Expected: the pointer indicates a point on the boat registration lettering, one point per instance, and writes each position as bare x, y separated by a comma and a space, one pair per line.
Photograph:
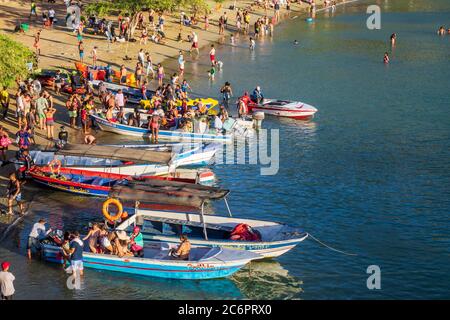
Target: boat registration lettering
200, 266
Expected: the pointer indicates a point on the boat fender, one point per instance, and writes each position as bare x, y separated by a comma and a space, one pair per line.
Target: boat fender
105, 209
55, 166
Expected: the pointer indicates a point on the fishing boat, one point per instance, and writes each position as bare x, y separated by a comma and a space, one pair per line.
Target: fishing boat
116, 160
284, 108
173, 135
203, 263
266, 238
156, 189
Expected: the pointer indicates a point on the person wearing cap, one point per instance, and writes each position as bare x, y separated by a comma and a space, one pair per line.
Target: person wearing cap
182, 252
6, 282
136, 241
37, 233
76, 254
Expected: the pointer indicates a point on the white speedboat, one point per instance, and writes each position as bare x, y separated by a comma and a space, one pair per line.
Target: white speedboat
284, 108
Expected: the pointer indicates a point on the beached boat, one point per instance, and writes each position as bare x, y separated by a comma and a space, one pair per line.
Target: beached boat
134, 95
115, 160
271, 239
172, 135
203, 263
154, 189
284, 108
183, 154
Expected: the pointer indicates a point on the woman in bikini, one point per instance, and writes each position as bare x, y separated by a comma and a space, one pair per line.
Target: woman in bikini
50, 122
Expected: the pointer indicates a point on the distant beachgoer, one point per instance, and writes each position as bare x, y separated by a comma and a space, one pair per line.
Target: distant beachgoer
295, 42
227, 93
386, 58
37, 40
50, 121
181, 63
212, 73
160, 73
94, 56
93, 236
4, 102
123, 75
441, 31
252, 44
33, 9
81, 51
6, 282
393, 39
212, 55
154, 127
194, 43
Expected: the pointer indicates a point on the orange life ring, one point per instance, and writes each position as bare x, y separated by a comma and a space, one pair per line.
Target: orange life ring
52, 164
105, 209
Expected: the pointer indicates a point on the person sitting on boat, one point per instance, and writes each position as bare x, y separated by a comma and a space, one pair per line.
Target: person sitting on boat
105, 243
257, 95
121, 242
137, 242
182, 252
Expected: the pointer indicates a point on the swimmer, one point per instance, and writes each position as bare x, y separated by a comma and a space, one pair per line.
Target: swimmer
295, 42
89, 139
441, 31
386, 58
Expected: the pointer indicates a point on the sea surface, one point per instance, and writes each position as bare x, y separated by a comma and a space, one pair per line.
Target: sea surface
370, 175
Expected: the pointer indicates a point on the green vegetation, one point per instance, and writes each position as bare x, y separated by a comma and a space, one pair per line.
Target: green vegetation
13, 60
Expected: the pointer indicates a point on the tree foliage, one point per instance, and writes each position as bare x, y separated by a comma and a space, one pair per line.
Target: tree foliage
13, 60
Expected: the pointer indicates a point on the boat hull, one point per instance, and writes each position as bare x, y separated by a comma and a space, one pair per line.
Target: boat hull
189, 270
286, 109
122, 129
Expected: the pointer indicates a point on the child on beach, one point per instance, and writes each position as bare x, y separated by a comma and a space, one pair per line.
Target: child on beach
252, 44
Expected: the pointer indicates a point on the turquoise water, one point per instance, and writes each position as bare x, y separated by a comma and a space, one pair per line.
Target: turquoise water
369, 175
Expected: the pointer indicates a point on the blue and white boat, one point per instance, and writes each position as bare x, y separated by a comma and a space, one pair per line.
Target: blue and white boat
183, 154
171, 135
203, 263
274, 239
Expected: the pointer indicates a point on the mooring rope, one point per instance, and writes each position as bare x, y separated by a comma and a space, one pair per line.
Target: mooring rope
329, 247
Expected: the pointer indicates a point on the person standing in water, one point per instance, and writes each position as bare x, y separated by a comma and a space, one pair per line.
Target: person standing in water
393, 39
154, 127
14, 192
386, 58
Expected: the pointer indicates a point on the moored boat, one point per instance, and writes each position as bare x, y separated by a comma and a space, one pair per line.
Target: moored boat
149, 188
271, 239
203, 263
172, 135
284, 108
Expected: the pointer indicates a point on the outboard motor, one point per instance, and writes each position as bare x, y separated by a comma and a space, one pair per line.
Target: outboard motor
257, 117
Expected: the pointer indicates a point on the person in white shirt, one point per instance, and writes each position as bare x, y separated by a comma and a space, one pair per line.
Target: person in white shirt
51, 16
120, 99
6, 282
218, 124
37, 233
141, 56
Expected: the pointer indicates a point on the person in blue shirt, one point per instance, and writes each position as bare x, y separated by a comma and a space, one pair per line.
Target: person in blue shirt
76, 252
257, 95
